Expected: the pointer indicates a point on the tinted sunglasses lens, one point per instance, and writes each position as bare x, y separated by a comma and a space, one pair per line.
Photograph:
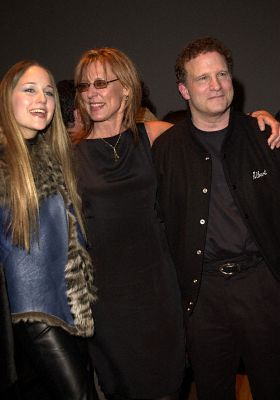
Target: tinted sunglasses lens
100, 84
83, 87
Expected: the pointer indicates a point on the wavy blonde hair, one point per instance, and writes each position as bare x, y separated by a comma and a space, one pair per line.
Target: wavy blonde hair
21, 193
125, 71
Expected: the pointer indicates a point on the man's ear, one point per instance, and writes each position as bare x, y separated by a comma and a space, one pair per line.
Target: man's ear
184, 91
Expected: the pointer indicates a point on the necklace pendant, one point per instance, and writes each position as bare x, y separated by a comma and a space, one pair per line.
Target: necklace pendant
116, 156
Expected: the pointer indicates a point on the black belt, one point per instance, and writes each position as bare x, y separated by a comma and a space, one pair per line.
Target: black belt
231, 267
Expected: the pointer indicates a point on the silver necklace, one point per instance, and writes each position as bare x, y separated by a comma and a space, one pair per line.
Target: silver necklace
116, 157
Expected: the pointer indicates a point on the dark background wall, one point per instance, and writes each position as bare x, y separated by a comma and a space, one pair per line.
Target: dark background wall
57, 32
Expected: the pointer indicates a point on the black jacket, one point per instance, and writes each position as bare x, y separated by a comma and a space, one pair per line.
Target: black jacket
252, 171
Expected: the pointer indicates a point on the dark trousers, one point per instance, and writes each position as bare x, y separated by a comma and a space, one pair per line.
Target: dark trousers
237, 317
7, 366
52, 364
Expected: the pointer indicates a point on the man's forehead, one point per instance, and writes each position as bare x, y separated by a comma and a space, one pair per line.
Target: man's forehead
206, 60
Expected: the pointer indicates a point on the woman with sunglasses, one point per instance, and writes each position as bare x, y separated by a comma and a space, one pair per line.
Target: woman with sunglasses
49, 274
138, 347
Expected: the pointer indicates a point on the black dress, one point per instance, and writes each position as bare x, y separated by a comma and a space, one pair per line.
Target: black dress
138, 347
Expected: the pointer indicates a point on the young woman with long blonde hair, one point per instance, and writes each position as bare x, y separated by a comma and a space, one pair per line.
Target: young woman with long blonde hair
49, 274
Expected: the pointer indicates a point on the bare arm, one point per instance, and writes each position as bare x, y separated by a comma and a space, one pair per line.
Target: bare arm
156, 128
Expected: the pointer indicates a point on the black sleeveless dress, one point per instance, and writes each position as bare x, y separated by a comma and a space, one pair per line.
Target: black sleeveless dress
138, 346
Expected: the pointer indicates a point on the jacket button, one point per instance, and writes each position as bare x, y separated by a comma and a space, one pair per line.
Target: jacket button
204, 190
195, 281
202, 221
198, 252
207, 158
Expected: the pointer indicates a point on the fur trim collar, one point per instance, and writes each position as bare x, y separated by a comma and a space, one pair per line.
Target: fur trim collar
81, 292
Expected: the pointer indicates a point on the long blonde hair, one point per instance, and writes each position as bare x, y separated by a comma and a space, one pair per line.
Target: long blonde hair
21, 192
125, 71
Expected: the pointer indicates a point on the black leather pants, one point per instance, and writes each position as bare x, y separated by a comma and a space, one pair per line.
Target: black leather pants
52, 364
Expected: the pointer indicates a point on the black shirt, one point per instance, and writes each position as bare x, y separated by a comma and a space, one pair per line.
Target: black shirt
227, 235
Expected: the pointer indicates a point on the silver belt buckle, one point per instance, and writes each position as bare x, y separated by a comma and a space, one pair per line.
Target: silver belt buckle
227, 265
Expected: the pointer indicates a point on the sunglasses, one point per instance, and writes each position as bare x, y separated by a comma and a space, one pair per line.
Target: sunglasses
98, 84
